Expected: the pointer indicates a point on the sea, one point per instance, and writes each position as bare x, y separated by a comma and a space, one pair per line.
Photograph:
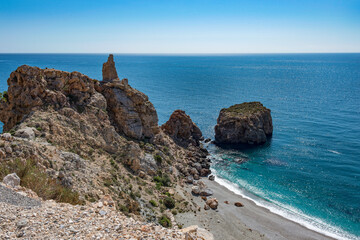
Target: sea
309, 172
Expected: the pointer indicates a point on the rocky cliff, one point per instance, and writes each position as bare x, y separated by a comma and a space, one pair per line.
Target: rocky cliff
246, 123
100, 138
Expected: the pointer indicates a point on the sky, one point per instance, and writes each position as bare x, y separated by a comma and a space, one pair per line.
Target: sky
179, 26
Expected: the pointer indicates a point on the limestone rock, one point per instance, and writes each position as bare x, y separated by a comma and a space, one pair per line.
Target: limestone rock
25, 133
182, 130
130, 110
109, 71
12, 180
246, 123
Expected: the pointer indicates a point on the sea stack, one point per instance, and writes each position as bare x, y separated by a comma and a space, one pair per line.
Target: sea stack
109, 71
249, 123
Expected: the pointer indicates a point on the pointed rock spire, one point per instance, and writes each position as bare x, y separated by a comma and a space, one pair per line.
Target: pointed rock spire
109, 71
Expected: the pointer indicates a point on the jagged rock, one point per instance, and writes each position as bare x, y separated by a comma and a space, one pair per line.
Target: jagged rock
211, 177
12, 180
182, 130
109, 70
25, 133
130, 110
202, 191
213, 203
246, 123
30, 88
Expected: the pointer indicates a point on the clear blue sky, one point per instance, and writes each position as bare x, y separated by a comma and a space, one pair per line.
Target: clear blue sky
183, 26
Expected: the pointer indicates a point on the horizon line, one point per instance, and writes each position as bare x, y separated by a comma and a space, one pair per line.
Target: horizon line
252, 53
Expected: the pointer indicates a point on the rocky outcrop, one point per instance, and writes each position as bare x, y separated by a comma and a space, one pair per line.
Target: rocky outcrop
130, 110
31, 88
182, 130
109, 70
246, 123
92, 136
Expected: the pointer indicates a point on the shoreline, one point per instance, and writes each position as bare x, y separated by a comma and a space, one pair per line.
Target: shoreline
249, 222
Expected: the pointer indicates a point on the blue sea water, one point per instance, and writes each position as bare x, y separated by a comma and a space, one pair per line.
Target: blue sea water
309, 171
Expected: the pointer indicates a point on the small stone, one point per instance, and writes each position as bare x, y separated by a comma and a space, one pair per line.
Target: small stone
100, 205
226, 202
22, 223
102, 212
238, 204
211, 177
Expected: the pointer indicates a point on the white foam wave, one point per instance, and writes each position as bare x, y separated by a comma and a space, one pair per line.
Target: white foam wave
288, 212
333, 151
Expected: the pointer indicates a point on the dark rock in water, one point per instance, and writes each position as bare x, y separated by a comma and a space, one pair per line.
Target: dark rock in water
207, 140
248, 123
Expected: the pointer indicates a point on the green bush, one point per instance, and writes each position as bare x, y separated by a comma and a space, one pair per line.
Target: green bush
158, 159
163, 181
169, 202
165, 221
153, 203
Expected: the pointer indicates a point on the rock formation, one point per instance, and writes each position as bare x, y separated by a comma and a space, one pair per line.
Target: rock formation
130, 110
182, 130
109, 71
92, 136
246, 123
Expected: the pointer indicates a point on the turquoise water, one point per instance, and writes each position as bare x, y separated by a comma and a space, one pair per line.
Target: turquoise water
309, 172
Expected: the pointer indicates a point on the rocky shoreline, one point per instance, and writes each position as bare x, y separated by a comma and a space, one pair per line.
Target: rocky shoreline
90, 151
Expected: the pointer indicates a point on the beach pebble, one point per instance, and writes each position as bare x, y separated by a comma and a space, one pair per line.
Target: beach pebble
238, 204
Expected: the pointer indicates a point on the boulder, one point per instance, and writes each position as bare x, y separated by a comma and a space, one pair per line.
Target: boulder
212, 203
248, 123
238, 204
182, 130
109, 71
211, 177
12, 180
27, 133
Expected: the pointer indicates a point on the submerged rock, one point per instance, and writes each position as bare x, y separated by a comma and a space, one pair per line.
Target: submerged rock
246, 123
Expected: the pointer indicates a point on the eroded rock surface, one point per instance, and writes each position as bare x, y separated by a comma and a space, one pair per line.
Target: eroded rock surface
109, 70
94, 136
246, 123
182, 129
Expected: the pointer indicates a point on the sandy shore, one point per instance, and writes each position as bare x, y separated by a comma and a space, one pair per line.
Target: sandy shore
249, 222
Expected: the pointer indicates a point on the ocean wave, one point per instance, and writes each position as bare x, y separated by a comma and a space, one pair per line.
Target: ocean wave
287, 212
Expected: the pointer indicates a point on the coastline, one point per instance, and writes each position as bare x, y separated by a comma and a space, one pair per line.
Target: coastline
249, 222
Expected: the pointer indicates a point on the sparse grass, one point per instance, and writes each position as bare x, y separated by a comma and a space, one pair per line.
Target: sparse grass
38, 181
245, 108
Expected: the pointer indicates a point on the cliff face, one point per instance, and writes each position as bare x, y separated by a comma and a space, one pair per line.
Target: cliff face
246, 123
94, 136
